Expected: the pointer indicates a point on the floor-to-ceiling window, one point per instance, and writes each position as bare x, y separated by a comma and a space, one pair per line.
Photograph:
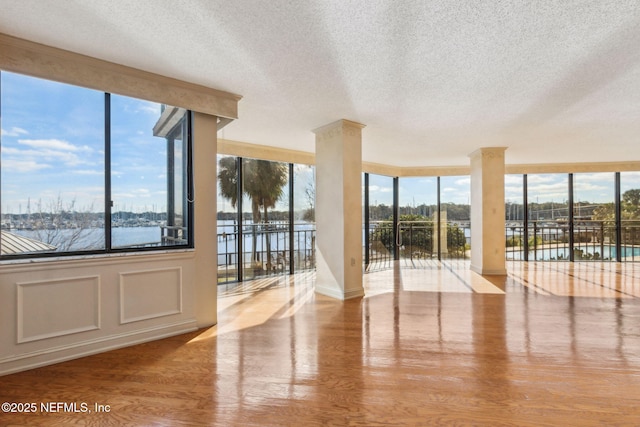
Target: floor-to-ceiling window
227, 218
304, 208
572, 217
548, 216
630, 216
514, 216
381, 236
265, 187
418, 222
455, 215
593, 231
266, 218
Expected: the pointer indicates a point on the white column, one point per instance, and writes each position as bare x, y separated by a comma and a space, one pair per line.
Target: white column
205, 233
487, 211
339, 210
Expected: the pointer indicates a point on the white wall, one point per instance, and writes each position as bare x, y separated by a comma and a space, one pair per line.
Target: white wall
57, 310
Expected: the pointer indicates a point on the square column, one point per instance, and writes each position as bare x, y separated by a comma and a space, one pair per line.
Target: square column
205, 144
487, 211
339, 210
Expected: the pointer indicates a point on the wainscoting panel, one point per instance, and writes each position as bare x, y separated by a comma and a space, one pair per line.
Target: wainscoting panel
147, 294
52, 308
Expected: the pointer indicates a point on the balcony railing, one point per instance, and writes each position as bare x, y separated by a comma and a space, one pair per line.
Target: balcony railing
265, 249
592, 241
415, 241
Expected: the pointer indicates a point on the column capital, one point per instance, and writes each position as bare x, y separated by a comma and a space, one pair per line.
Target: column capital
337, 128
488, 152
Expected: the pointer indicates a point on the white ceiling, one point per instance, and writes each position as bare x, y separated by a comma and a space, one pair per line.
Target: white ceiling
554, 81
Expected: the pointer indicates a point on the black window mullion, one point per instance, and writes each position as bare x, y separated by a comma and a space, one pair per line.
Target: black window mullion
108, 201
239, 239
291, 220
396, 217
366, 221
189, 178
438, 222
618, 217
525, 206
571, 220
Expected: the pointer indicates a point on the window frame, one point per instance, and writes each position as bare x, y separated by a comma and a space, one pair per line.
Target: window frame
188, 200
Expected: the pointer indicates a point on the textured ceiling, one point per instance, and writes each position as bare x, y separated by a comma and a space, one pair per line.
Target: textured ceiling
554, 81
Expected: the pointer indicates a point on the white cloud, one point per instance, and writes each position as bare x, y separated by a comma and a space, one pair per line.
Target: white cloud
513, 179
14, 131
49, 150
603, 177
88, 172
53, 144
136, 194
24, 166
540, 179
149, 108
378, 189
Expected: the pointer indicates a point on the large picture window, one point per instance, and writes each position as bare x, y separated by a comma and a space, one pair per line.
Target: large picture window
87, 172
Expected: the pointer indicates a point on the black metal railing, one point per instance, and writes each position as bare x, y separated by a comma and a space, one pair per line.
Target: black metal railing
592, 241
416, 241
266, 250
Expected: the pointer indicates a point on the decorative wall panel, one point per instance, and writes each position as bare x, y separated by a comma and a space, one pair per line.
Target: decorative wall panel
148, 294
51, 308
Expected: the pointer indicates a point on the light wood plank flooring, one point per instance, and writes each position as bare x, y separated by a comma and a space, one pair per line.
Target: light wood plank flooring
552, 344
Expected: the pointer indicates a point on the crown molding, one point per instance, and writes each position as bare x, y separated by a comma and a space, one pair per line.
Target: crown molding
38, 60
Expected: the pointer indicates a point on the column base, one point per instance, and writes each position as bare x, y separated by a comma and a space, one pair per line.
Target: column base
489, 271
338, 294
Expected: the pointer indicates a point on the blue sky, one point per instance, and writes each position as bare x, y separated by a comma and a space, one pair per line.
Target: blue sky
53, 147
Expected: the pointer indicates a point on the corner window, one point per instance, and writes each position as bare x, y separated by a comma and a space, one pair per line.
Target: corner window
83, 171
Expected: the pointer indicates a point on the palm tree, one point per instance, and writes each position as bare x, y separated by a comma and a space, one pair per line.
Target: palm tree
263, 182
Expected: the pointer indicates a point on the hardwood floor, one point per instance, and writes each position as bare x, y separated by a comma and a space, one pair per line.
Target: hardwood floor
552, 344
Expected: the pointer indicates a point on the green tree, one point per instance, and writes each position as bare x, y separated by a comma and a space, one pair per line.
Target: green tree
631, 203
630, 208
263, 182
417, 235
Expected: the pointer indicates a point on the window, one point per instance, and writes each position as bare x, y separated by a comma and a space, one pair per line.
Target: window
304, 216
257, 224
70, 184
418, 218
455, 216
265, 217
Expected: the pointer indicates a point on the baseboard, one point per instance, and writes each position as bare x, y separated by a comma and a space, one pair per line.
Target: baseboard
339, 294
52, 355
